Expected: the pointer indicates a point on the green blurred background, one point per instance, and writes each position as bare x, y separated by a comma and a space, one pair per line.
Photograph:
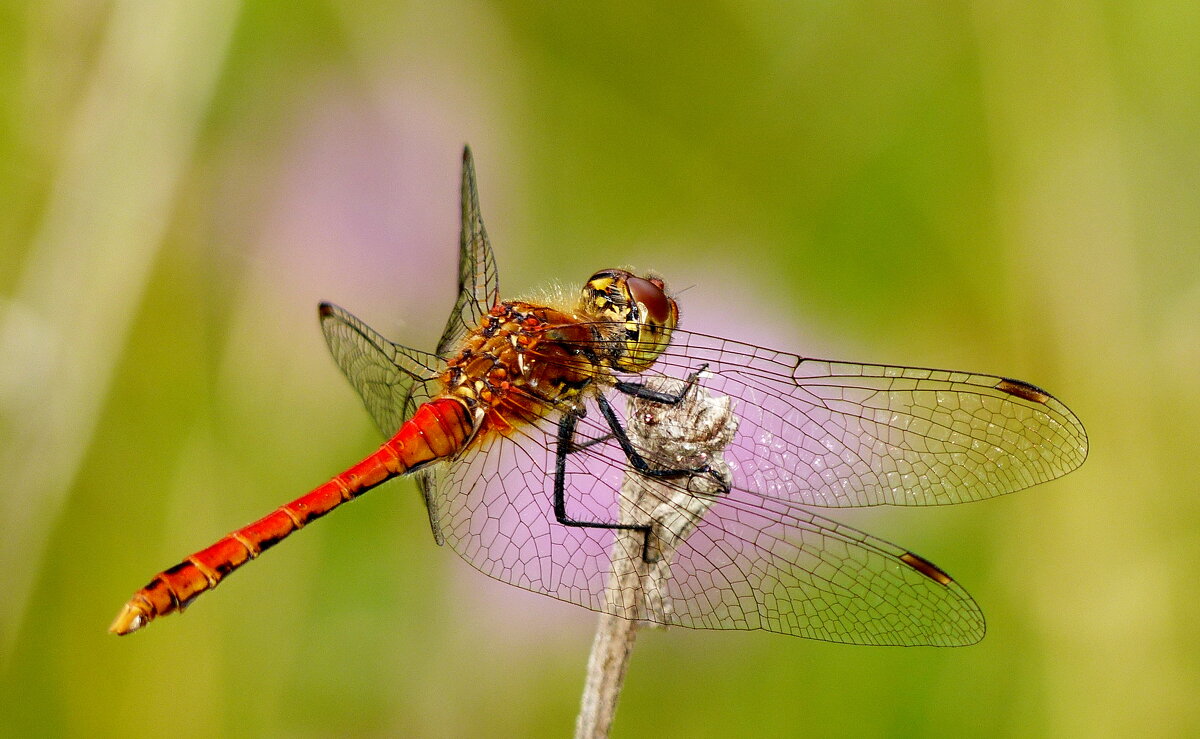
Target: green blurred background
1003, 187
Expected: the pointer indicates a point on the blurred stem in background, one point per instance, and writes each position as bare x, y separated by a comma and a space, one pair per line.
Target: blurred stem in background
64, 328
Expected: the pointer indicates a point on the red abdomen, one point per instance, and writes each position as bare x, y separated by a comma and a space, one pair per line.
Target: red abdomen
438, 430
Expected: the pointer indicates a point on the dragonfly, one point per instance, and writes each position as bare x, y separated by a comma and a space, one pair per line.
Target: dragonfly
518, 438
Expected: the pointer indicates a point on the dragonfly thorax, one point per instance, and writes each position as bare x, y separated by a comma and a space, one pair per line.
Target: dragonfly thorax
523, 361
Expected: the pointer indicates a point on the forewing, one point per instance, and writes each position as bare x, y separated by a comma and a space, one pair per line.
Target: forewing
392, 379
840, 434
478, 282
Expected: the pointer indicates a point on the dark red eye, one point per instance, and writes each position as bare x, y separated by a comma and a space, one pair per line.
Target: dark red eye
658, 305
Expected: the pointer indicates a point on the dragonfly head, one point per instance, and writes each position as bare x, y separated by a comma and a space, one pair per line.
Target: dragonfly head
642, 305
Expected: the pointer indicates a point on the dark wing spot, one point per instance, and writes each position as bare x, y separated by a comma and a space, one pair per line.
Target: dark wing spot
1032, 393
926, 568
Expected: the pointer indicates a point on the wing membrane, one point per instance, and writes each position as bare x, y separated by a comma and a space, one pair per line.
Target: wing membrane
840, 434
752, 562
810, 432
391, 379
478, 281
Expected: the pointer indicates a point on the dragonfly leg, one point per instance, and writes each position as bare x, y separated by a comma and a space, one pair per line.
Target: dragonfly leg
566, 445
639, 390
637, 461
575, 445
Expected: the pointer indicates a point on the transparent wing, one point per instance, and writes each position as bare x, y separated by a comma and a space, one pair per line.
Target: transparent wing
392, 379
840, 434
810, 432
752, 563
478, 282
764, 564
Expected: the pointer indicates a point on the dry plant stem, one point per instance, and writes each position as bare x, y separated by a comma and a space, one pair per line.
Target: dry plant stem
688, 435
605, 675
615, 631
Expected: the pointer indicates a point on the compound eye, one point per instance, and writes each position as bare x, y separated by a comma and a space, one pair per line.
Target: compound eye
650, 295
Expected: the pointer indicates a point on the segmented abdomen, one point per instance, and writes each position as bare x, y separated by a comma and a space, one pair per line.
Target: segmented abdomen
438, 430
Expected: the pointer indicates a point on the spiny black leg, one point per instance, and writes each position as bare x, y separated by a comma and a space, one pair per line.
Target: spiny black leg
579, 412
566, 433
578, 446
639, 462
639, 390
